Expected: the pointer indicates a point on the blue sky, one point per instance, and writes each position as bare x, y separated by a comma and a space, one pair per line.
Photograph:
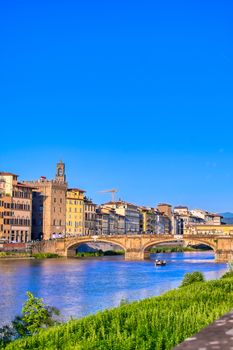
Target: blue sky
135, 95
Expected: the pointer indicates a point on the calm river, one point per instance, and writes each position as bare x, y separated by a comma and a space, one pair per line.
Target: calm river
79, 287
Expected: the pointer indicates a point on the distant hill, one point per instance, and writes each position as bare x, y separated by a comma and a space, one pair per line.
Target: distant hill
227, 215
227, 218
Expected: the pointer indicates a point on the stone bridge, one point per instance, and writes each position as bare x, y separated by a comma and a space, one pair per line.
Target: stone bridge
136, 247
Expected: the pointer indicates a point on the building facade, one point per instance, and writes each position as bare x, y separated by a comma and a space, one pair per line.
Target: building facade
147, 220
15, 209
109, 222
186, 218
49, 205
207, 217
90, 218
75, 212
164, 219
130, 212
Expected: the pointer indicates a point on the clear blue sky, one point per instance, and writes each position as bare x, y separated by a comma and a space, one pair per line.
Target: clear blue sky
136, 95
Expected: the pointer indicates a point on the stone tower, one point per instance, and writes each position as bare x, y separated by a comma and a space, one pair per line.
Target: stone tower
60, 172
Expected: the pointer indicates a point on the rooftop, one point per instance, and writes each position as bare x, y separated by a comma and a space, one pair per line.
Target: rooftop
20, 184
6, 173
120, 202
75, 190
181, 207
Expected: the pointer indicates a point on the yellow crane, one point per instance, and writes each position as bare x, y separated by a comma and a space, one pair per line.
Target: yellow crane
113, 191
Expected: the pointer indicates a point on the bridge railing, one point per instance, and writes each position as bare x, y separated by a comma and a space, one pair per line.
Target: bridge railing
212, 232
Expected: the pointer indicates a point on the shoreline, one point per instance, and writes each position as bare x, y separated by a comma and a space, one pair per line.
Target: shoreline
97, 254
167, 333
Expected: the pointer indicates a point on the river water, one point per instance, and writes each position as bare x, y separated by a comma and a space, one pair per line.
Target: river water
79, 287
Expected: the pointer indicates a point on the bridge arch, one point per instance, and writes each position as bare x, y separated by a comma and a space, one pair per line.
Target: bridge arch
192, 241
72, 246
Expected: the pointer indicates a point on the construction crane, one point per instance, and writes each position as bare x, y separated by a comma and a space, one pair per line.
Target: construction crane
113, 191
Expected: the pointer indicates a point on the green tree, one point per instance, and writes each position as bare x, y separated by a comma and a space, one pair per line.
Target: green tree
7, 333
229, 273
35, 315
190, 278
123, 302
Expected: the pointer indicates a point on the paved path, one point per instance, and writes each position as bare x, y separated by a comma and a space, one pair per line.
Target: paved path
217, 336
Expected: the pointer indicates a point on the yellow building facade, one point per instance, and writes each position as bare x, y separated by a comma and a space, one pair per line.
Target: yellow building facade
147, 220
74, 211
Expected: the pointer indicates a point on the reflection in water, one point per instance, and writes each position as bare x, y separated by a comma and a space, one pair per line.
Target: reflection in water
79, 287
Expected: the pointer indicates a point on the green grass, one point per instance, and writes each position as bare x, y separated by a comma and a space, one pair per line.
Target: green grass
152, 324
28, 255
162, 249
99, 253
14, 255
45, 256
228, 274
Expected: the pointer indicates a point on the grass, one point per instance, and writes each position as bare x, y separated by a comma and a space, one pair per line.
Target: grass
28, 255
162, 249
45, 256
157, 323
14, 255
99, 253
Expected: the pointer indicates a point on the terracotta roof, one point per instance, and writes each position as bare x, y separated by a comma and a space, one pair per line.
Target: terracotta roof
214, 215
19, 184
76, 189
120, 202
6, 173
181, 207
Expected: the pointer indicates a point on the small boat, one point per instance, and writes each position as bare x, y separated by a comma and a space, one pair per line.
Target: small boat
160, 262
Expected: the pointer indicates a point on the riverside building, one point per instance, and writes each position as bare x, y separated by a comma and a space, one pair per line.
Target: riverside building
90, 217
49, 205
147, 220
15, 209
109, 222
75, 211
130, 212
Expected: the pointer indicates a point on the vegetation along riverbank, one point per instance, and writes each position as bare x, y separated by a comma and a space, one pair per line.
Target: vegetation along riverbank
153, 324
23, 255
172, 249
99, 253
17, 255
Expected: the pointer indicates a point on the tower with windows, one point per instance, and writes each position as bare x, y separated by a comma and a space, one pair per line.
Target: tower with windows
60, 172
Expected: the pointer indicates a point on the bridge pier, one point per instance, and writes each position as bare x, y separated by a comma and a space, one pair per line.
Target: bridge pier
71, 253
134, 254
223, 255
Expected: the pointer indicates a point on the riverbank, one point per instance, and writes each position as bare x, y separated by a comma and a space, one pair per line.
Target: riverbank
178, 249
99, 253
14, 255
154, 323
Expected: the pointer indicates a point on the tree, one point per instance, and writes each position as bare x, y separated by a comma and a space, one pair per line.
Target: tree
229, 273
7, 333
35, 315
190, 278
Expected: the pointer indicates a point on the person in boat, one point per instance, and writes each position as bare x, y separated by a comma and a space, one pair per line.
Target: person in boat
160, 262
